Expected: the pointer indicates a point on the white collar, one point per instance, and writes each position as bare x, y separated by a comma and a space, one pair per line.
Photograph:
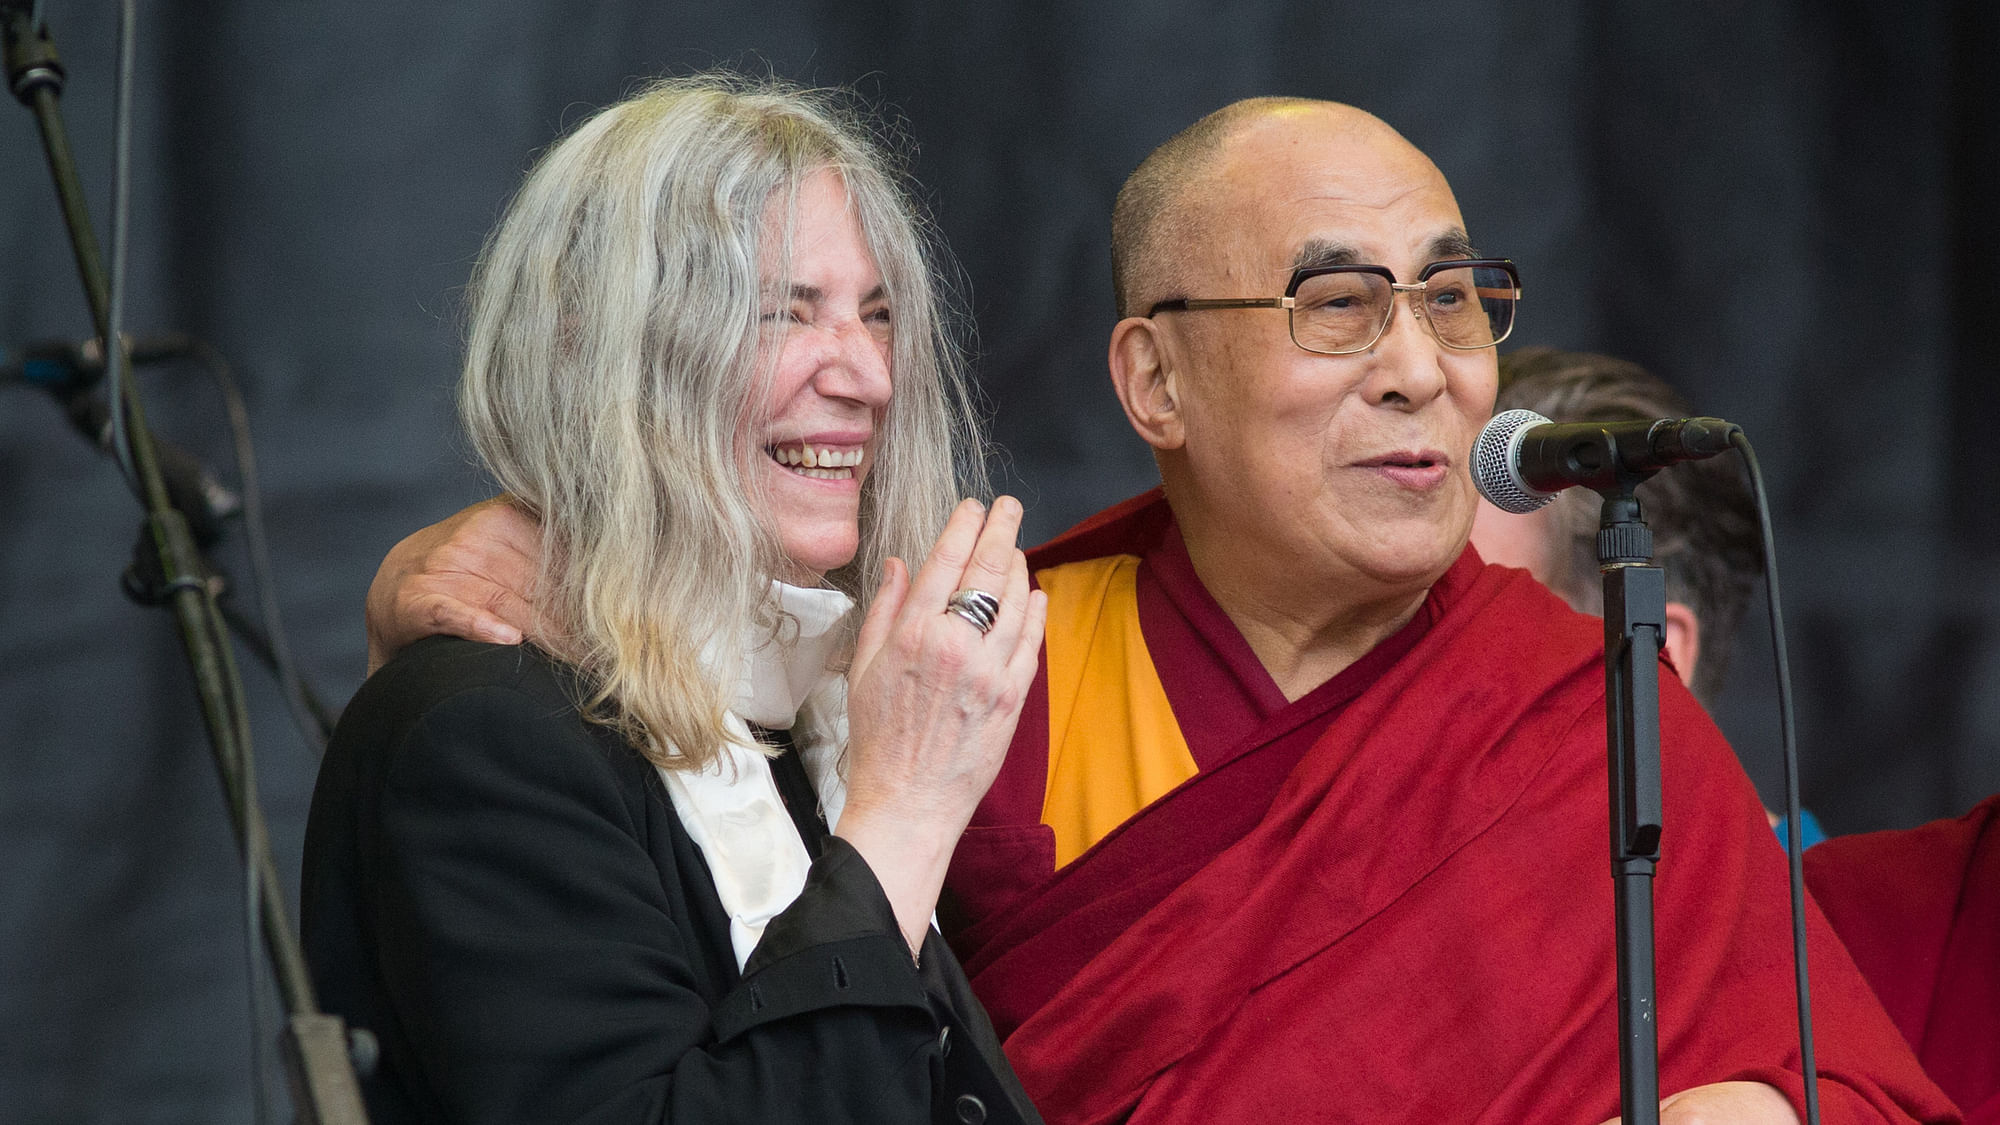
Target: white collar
785, 667
732, 809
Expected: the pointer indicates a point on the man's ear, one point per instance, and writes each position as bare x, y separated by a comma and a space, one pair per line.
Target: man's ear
1144, 375
1682, 643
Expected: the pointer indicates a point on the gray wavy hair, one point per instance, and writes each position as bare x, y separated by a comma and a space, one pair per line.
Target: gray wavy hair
613, 354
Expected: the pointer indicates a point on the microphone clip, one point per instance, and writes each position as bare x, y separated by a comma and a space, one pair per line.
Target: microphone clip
146, 580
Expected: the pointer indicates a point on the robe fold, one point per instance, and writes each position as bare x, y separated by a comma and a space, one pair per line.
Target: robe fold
1389, 899
1920, 910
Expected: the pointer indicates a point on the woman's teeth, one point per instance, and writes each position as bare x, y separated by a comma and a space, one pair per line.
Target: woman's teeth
823, 463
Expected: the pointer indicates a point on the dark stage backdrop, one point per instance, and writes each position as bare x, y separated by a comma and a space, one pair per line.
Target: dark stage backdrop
1784, 207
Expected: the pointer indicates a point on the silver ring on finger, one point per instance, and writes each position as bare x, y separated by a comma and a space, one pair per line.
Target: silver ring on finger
976, 606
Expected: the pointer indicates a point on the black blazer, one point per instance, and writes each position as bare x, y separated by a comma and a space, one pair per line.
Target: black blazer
502, 893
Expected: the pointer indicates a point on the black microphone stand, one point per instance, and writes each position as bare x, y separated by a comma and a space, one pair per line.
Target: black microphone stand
1635, 610
316, 1046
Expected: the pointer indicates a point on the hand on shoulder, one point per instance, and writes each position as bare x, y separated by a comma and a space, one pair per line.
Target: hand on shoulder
468, 576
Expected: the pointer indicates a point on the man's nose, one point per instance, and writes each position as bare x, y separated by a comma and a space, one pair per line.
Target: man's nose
1404, 365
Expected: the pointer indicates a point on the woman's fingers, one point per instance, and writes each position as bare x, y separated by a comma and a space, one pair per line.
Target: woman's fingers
995, 558
912, 653
938, 577
1019, 635
985, 562
889, 598
1027, 654
1012, 590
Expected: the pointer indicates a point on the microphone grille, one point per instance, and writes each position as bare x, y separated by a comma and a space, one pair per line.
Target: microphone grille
1493, 461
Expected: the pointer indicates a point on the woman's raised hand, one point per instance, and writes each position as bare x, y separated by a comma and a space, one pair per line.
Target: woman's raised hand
932, 703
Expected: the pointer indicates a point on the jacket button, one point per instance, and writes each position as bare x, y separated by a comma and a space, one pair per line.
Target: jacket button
971, 1110
944, 1041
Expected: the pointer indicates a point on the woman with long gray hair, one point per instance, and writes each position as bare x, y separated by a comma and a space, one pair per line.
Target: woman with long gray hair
676, 860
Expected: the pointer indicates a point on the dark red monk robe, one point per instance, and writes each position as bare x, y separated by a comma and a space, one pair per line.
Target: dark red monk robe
1920, 909
1390, 899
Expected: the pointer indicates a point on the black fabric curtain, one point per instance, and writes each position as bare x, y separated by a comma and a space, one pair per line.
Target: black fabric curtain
1785, 208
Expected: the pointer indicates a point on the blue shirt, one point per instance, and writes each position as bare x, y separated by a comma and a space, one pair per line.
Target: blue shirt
1810, 832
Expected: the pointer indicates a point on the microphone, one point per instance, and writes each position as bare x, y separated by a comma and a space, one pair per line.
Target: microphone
69, 370
1521, 459
63, 367
205, 501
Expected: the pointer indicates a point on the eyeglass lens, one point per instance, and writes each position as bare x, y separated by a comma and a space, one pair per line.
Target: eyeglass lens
1343, 311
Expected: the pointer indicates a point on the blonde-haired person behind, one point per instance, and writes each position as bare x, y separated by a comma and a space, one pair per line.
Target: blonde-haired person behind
668, 863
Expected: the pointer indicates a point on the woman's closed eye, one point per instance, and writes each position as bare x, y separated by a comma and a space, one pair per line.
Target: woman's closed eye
880, 321
798, 312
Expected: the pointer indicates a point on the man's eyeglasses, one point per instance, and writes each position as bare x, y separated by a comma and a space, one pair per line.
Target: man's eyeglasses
1339, 310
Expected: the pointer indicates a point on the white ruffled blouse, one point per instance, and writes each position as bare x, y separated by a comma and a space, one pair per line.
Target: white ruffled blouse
732, 809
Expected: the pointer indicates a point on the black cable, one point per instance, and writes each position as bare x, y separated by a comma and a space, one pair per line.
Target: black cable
259, 1112
259, 873
1789, 738
117, 363
308, 714
255, 856
256, 844
249, 631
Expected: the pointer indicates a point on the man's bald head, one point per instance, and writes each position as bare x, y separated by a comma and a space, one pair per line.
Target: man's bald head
1287, 468
1159, 212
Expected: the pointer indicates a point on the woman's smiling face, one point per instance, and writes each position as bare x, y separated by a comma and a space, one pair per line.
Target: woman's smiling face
826, 341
